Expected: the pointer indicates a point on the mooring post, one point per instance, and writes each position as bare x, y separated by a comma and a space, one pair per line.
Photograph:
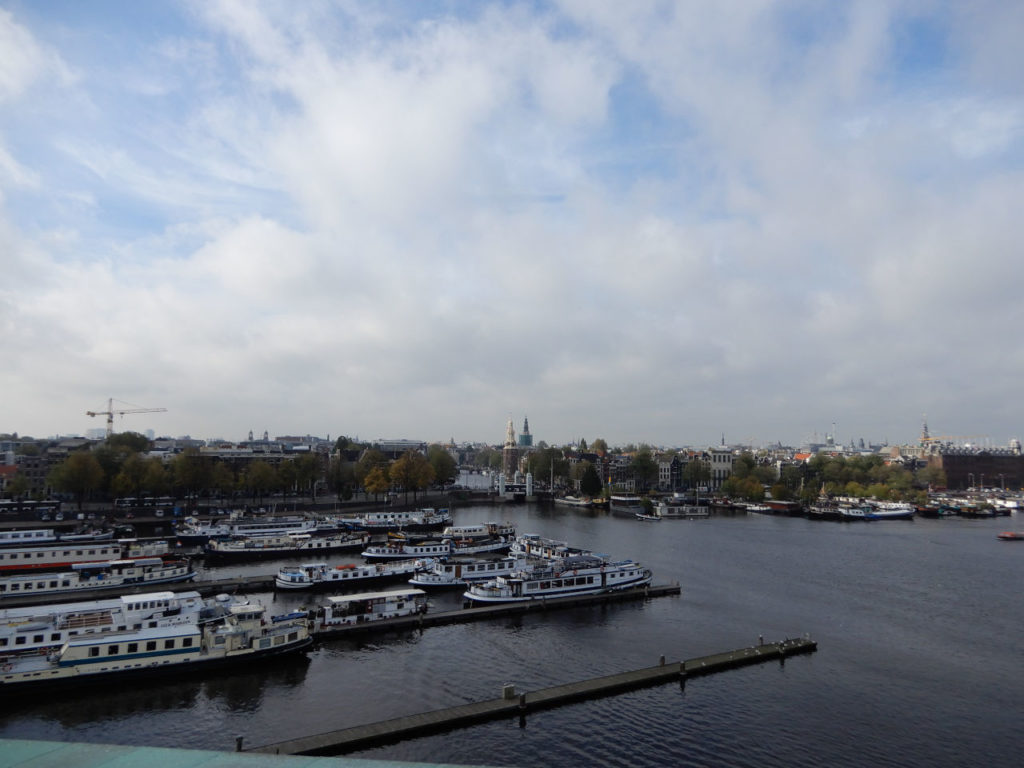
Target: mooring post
238, 743
661, 662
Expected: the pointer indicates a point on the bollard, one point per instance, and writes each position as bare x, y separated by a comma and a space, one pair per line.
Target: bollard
238, 743
522, 702
661, 662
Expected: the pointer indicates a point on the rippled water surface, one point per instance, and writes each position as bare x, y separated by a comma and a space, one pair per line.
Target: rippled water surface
920, 651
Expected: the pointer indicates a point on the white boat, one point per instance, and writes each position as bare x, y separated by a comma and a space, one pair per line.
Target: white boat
574, 501
424, 519
533, 545
221, 551
366, 607
34, 628
456, 571
625, 504
649, 517
677, 508
398, 549
195, 531
479, 531
578, 575
37, 536
877, 510
346, 576
58, 556
107, 575
240, 635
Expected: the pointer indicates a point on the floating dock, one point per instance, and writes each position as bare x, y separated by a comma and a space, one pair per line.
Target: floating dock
513, 704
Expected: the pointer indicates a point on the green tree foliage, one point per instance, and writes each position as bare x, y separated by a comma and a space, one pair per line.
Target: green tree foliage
129, 443
644, 469
79, 474
547, 463
260, 479
131, 479
157, 479
696, 473
599, 446
370, 459
445, 468
307, 473
222, 479
191, 473
590, 482
412, 472
341, 477
287, 477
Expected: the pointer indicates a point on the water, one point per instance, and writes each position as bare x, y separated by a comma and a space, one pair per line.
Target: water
918, 624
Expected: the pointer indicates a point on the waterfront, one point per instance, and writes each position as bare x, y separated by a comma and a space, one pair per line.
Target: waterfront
918, 624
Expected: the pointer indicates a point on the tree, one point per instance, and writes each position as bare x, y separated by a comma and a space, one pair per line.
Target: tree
287, 476
259, 478
376, 481
696, 473
370, 459
79, 474
644, 468
583, 445
547, 462
131, 479
412, 472
599, 446
445, 469
341, 477
590, 482
191, 473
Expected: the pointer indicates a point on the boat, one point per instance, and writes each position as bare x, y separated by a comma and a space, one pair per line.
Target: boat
106, 575
625, 504
195, 531
533, 545
649, 517
241, 634
37, 536
34, 628
479, 531
223, 551
366, 607
456, 571
1011, 536
60, 556
575, 501
400, 549
346, 576
425, 519
577, 575
875, 510
677, 507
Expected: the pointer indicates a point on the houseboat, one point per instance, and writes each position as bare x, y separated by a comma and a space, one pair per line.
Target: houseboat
108, 575
62, 556
533, 545
625, 504
39, 536
346, 576
398, 549
574, 501
241, 635
194, 531
577, 575
350, 610
479, 531
226, 551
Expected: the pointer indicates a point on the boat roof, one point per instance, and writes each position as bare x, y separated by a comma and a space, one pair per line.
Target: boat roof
339, 599
148, 633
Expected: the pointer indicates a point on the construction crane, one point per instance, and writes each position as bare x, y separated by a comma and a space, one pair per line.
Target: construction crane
110, 412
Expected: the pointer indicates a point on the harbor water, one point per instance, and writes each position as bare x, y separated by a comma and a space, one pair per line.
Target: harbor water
919, 659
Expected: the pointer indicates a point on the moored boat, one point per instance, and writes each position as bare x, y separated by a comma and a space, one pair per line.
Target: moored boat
625, 504
574, 501
426, 519
240, 635
34, 628
59, 556
534, 545
479, 531
1011, 536
223, 551
195, 531
38, 536
366, 607
399, 549
345, 576
578, 575
107, 575
456, 571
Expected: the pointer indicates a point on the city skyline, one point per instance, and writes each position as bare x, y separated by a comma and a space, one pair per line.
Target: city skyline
668, 222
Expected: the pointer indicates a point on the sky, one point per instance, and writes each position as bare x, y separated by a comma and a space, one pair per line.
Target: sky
669, 223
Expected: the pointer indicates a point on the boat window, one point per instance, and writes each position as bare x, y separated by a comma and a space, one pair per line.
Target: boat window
133, 648
53, 585
112, 650
55, 637
151, 645
37, 639
3, 642
186, 642
168, 644
94, 651
19, 641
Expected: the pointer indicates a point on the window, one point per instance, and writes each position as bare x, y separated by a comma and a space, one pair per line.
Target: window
19, 641
112, 650
186, 642
151, 645
94, 651
132, 648
168, 644
55, 637
37, 639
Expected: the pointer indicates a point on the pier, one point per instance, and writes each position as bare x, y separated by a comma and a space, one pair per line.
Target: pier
512, 704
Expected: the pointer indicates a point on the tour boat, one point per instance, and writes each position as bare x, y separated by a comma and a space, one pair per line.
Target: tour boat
58, 556
479, 531
241, 635
456, 571
37, 536
425, 519
221, 551
578, 575
106, 575
365, 607
37, 627
399, 549
649, 517
322, 575
574, 501
676, 508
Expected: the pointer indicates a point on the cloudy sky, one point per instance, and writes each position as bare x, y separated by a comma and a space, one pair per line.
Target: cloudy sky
652, 222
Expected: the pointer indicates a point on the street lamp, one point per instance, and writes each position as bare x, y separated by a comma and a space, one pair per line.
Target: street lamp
983, 481
971, 475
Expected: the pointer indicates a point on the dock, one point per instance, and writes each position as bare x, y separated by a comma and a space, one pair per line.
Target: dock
513, 704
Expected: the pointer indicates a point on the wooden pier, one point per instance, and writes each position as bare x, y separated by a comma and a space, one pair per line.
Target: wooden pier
512, 704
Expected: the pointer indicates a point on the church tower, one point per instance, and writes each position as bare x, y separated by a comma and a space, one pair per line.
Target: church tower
510, 453
525, 438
